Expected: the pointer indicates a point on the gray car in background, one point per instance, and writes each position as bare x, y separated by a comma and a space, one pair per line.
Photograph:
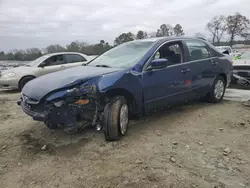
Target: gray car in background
16, 78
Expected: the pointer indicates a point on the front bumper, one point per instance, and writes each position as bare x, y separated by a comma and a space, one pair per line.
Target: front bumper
38, 116
66, 115
9, 83
70, 115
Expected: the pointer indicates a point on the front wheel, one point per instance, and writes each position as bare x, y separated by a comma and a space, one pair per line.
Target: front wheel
217, 91
24, 81
116, 119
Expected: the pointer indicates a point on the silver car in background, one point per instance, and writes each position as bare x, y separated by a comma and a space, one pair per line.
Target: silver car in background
16, 78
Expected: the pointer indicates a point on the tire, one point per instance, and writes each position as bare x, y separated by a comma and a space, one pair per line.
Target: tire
116, 119
24, 81
217, 91
51, 126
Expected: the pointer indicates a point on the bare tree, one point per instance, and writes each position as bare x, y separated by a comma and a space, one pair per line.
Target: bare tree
236, 25
217, 28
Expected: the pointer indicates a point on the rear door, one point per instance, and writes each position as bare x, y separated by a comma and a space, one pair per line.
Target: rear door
73, 60
203, 63
52, 64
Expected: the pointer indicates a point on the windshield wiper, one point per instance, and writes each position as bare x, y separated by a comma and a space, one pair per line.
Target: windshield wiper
106, 66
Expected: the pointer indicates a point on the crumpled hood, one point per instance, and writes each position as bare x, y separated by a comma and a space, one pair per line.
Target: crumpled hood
39, 87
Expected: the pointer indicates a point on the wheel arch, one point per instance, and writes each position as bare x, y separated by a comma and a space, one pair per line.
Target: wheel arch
130, 98
23, 78
224, 76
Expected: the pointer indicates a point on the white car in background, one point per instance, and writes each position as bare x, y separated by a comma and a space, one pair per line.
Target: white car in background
229, 49
16, 78
241, 70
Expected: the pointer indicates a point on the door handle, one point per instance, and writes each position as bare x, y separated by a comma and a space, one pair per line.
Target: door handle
184, 71
214, 63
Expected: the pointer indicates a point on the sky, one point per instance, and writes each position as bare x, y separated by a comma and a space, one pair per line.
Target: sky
39, 23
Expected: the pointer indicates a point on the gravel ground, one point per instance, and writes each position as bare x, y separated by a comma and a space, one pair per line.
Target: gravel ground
197, 145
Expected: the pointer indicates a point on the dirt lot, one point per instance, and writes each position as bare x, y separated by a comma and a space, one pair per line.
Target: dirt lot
199, 145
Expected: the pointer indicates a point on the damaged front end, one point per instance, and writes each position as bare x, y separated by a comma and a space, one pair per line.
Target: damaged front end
73, 108
241, 81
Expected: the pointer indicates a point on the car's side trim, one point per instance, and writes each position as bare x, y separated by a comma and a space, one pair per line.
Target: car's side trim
160, 98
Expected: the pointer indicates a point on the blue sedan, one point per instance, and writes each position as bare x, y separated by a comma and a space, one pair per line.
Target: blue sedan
131, 79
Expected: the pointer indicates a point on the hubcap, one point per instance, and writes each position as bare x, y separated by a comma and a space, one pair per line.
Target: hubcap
124, 119
219, 89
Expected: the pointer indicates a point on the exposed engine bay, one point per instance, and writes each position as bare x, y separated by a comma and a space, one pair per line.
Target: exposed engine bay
72, 109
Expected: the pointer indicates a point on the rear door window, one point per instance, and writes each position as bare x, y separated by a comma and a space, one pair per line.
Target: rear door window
198, 50
74, 58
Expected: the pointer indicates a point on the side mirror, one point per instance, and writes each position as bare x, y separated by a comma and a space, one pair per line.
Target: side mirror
226, 52
158, 64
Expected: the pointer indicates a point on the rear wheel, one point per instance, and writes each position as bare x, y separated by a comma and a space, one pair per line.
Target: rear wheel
24, 81
217, 91
116, 119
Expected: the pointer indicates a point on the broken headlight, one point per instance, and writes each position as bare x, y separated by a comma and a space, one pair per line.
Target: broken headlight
59, 103
86, 88
73, 92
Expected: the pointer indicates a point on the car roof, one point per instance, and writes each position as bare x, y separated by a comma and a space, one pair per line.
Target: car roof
163, 39
63, 53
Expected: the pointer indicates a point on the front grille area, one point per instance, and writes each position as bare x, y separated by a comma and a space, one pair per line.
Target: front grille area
28, 100
29, 110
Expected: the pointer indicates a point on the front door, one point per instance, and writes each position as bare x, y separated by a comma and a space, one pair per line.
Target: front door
170, 85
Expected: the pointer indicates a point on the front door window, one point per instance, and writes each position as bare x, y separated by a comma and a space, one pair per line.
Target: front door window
54, 60
170, 51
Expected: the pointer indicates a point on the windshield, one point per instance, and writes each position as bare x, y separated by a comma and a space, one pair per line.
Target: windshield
124, 55
37, 61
